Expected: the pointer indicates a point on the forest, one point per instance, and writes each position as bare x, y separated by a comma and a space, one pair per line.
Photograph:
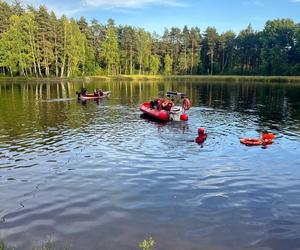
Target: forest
35, 42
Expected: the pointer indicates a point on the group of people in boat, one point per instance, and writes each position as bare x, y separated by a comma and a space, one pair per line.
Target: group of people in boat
167, 104
97, 92
160, 103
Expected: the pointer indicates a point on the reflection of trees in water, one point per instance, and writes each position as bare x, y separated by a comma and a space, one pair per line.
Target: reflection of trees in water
27, 108
272, 103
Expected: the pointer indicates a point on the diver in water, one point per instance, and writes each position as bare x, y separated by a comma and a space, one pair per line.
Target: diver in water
202, 136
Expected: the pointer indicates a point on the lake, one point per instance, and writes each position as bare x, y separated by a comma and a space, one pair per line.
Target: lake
98, 175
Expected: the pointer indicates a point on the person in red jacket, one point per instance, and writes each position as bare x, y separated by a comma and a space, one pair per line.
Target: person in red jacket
201, 136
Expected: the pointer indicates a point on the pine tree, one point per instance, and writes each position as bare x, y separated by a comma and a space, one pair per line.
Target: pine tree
184, 59
44, 40
143, 49
110, 49
211, 40
227, 42
194, 50
97, 32
128, 49
5, 14
56, 40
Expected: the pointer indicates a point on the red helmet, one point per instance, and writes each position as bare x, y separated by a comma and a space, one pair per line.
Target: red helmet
201, 131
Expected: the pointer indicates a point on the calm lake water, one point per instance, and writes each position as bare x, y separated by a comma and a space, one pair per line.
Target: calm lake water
99, 176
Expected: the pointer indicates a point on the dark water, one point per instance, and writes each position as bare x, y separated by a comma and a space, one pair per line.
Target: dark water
99, 176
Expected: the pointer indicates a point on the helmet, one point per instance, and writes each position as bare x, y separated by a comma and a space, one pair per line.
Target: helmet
201, 131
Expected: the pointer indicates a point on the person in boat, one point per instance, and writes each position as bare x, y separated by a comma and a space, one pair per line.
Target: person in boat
167, 104
83, 91
98, 92
156, 104
153, 104
202, 136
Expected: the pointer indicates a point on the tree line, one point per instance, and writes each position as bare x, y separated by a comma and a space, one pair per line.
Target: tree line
35, 42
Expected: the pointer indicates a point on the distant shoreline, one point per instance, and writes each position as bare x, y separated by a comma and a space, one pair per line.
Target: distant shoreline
226, 78
206, 78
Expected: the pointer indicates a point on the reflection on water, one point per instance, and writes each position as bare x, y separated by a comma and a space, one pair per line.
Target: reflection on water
99, 174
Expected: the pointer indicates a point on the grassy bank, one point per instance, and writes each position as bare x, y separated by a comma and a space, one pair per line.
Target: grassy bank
204, 78
221, 78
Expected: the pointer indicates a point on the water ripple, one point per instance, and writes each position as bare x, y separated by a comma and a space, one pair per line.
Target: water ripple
100, 175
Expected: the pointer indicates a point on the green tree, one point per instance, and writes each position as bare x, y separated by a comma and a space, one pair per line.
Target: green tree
45, 38
143, 49
110, 49
97, 32
5, 14
56, 40
194, 50
168, 65
15, 48
184, 59
227, 44
248, 49
154, 64
183, 63
278, 42
30, 29
175, 39
211, 38
128, 48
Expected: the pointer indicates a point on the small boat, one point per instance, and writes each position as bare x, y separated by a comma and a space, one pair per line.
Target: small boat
175, 94
93, 96
83, 95
162, 115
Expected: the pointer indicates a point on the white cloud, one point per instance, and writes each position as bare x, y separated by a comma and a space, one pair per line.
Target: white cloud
132, 3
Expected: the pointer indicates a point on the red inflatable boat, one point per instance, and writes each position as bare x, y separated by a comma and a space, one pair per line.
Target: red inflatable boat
161, 115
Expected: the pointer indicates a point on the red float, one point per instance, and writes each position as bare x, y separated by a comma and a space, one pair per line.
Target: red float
184, 117
267, 139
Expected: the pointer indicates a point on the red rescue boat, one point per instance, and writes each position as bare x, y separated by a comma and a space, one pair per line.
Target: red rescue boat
162, 115
165, 110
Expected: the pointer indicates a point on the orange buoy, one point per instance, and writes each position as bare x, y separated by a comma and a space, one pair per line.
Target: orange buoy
252, 141
266, 139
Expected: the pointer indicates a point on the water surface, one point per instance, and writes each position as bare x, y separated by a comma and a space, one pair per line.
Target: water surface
97, 175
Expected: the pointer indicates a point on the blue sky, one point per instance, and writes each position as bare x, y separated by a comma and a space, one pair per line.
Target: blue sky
155, 15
